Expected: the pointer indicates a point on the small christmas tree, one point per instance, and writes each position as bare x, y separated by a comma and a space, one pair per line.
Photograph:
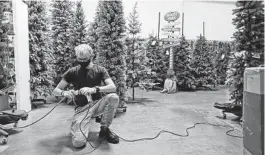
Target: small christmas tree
63, 36
203, 69
40, 51
182, 66
133, 49
110, 44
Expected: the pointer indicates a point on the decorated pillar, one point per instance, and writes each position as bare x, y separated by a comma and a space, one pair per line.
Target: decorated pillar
172, 31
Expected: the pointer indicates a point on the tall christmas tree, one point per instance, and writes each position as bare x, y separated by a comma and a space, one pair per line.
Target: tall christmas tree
4, 50
249, 22
92, 34
40, 52
110, 44
249, 37
204, 71
80, 32
63, 36
2, 46
182, 66
92, 39
133, 49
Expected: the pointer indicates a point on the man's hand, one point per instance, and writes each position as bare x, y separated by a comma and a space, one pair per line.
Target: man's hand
87, 90
68, 94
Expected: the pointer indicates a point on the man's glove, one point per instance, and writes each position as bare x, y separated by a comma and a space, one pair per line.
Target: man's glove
68, 93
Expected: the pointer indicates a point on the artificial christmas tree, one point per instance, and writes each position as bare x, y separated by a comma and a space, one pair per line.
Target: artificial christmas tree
236, 77
63, 36
40, 52
5, 6
2, 51
133, 49
249, 38
110, 44
80, 25
203, 69
157, 60
182, 68
92, 36
249, 22
221, 61
92, 39
135, 61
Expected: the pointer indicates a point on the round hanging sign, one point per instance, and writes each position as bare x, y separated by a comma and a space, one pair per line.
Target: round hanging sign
172, 16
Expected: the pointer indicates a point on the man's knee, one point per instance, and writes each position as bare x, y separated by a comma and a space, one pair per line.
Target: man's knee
77, 143
113, 97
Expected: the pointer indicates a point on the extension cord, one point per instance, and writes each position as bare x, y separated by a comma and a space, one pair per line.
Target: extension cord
134, 140
42, 116
162, 131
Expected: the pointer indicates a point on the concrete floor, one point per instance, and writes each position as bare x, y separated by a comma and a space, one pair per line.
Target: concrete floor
173, 112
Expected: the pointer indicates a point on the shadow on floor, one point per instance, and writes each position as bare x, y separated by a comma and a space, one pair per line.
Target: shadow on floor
119, 114
56, 144
13, 131
141, 101
235, 119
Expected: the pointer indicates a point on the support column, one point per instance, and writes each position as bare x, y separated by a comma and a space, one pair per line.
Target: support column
21, 51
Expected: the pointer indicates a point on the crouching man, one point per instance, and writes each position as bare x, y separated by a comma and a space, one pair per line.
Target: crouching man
87, 78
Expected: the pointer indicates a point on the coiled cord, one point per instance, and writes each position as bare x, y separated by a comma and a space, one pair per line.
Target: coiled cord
134, 140
160, 132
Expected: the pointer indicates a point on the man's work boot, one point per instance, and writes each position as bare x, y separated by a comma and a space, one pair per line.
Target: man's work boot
105, 133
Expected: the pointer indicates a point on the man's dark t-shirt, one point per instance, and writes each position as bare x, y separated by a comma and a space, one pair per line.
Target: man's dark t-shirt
80, 78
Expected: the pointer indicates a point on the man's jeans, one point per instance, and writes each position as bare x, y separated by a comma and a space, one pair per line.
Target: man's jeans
106, 106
